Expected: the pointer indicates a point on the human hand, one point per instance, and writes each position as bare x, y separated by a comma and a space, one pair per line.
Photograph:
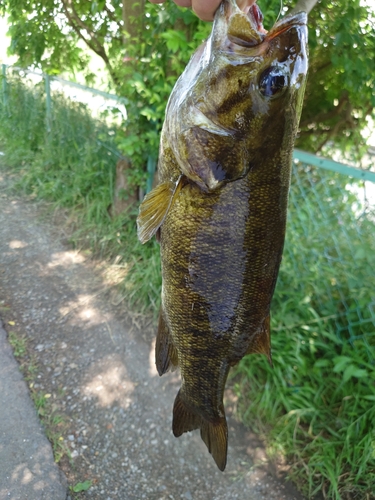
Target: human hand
205, 9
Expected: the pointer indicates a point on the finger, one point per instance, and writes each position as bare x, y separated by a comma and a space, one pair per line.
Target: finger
205, 10
183, 3
245, 5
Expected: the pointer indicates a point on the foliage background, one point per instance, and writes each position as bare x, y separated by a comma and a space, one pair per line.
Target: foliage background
145, 47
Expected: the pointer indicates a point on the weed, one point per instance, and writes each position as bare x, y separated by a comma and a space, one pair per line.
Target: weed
40, 400
317, 417
59, 446
17, 342
29, 369
57, 419
81, 486
54, 424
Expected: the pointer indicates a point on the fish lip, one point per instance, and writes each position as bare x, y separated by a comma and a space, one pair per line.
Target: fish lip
287, 22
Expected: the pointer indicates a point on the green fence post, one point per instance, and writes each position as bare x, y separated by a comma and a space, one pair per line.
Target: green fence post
5, 86
151, 167
48, 103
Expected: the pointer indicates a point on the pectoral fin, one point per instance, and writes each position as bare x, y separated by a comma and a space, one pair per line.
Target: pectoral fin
261, 343
154, 208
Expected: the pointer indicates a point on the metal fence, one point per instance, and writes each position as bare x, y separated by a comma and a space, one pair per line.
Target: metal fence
104, 107
329, 260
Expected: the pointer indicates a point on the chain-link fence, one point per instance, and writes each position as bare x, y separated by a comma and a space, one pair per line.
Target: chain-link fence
329, 259
328, 267
58, 103
68, 133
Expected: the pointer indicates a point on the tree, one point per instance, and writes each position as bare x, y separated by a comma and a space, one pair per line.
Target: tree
340, 92
145, 47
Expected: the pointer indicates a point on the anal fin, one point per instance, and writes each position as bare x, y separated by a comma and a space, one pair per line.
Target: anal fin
213, 434
154, 208
261, 343
166, 356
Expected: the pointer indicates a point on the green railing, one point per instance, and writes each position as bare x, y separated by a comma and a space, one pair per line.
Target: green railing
329, 258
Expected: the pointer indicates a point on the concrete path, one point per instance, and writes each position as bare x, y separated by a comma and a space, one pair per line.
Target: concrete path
27, 468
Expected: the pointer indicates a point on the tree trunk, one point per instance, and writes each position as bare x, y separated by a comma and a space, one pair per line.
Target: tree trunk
133, 10
304, 6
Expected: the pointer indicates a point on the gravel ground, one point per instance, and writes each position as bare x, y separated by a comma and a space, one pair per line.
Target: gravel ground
96, 362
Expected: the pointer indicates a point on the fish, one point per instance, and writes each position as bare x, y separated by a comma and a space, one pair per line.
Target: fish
219, 210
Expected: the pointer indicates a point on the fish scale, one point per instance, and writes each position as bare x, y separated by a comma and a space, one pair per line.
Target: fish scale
219, 210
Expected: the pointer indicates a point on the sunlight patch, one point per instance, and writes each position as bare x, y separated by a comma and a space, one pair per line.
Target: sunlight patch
111, 386
151, 361
17, 244
81, 309
66, 258
87, 313
115, 274
22, 474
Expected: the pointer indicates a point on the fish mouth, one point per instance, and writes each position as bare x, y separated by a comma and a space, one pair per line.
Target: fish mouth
287, 22
244, 26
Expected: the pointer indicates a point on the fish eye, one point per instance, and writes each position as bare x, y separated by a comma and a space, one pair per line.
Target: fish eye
273, 81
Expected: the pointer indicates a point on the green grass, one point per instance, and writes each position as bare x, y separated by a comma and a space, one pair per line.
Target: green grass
17, 342
83, 486
316, 406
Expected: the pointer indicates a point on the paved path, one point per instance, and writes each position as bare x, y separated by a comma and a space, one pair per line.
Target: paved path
98, 367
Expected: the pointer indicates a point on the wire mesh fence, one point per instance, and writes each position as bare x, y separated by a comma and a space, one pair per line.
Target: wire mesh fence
329, 260
69, 137
61, 108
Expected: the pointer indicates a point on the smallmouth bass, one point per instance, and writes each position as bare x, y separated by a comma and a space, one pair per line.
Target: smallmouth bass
219, 210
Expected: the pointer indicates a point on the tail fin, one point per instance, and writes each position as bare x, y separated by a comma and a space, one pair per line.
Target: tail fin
215, 437
213, 434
